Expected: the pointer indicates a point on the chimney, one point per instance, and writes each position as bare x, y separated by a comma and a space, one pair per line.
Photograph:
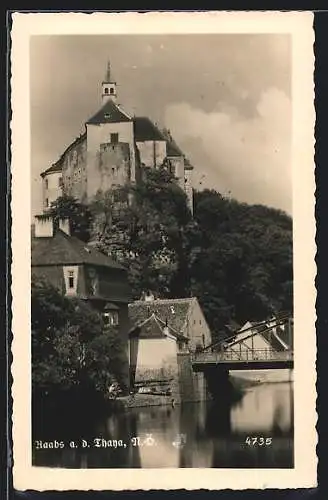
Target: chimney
64, 226
44, 226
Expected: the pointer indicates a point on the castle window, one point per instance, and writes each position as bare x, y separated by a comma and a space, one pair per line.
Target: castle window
114, 138
106, 90
70, 279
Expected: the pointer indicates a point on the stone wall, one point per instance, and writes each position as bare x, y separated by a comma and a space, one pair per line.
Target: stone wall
74, 169
152, 153
192, 386
51, 188
102, 134
188, 188
114, 165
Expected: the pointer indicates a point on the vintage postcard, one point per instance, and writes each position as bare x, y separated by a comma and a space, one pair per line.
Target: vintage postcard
163, 242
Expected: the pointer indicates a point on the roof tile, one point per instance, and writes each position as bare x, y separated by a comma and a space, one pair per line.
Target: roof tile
146, 130
109, 113
63, 249
174, 311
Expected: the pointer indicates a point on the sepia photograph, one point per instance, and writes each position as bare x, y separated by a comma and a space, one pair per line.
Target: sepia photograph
162, 251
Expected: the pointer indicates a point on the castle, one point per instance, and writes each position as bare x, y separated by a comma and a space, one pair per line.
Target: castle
114, 151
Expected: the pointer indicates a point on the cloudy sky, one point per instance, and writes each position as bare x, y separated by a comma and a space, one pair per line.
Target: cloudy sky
225, 98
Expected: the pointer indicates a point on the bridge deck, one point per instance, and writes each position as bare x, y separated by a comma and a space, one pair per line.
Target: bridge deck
245, 360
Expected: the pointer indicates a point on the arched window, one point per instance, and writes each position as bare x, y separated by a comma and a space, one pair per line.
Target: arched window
106, 90
111, 90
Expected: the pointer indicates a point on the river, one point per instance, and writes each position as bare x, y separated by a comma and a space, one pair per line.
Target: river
257, 431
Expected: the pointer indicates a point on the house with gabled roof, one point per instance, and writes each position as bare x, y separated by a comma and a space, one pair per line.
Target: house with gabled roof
113, 151
267, 336
163, 334
80, 271
154, 346
184, 315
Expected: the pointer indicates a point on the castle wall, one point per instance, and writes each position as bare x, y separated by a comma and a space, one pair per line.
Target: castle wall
152, 153
101, 134
51, 188
177, 169
114, 165
74, 170
188, 188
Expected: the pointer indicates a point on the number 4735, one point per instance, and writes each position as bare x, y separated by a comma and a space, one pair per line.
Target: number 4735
260, 441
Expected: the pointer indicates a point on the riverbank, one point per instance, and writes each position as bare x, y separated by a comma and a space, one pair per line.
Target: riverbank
145, 400
262, 376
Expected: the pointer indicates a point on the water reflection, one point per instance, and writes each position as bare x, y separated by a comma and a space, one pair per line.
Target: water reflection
213, 435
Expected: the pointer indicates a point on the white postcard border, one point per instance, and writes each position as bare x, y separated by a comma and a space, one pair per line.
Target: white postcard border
299, 25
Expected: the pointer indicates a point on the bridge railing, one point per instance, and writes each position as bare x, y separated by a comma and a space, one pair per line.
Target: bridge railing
230, 355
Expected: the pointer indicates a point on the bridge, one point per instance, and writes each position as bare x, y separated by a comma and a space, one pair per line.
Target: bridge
261, 346
256, 359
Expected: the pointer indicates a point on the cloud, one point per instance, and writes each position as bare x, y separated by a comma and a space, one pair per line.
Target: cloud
248, 157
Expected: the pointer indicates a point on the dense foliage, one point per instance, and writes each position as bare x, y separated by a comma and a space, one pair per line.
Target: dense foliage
241, 260
70, 346
147, 235
234, 257
79, 215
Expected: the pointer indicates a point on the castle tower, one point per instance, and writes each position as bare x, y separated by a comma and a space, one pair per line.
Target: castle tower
109, 91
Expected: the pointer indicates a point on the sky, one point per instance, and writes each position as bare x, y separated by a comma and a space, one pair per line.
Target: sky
226, 99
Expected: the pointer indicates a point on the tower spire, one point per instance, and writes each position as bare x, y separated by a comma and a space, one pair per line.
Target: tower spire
107, 77
108, 86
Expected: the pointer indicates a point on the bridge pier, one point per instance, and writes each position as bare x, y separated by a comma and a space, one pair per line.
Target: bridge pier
219, 384
192, 385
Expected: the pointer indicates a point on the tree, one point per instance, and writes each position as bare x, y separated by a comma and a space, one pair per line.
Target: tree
70, 345
241, 260
145, 232
79, 215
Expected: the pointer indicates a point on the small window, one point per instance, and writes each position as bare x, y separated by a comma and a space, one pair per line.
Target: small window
112, 90
60, 181
110, 318
114, 138
47, 183
70, 279
47, 202
106, 90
